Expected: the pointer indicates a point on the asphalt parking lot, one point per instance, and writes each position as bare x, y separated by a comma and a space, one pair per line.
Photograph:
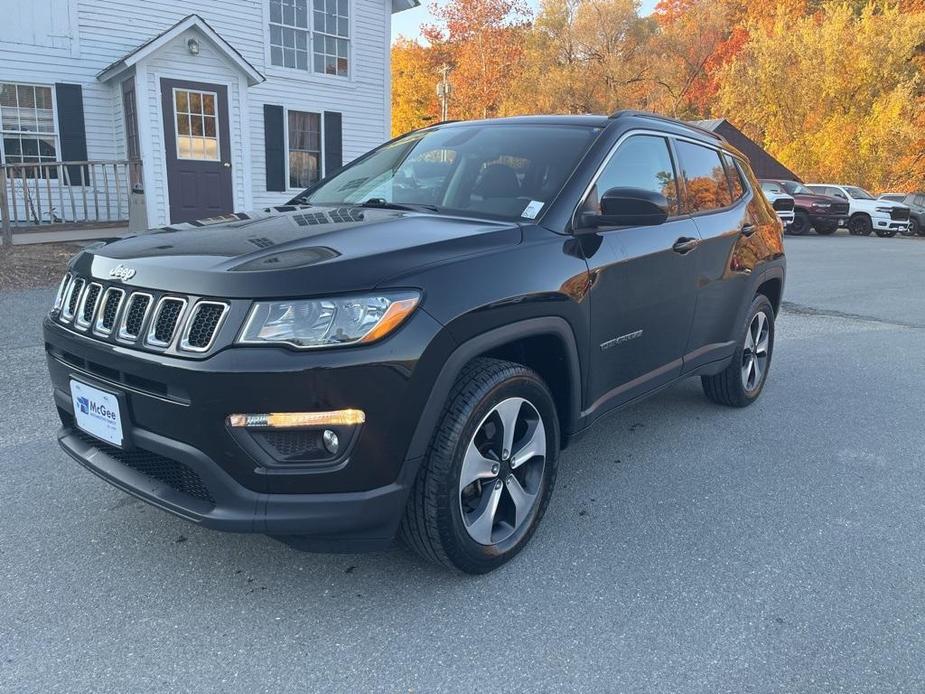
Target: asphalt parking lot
688, 548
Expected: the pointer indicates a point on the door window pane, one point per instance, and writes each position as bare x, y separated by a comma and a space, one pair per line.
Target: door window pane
643, 161
197, 124
707, 187
735, 177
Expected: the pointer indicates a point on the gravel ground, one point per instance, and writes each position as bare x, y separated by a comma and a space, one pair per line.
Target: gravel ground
36, 265
688, 548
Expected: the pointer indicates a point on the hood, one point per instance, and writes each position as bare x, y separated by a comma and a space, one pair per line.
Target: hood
292, 251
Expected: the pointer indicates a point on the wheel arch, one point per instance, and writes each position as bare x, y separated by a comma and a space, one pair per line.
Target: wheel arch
545, 344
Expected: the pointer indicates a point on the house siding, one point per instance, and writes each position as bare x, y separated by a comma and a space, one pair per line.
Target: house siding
103, 31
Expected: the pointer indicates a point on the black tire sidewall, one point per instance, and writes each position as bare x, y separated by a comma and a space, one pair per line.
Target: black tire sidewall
860, 225
462, 550
801, 227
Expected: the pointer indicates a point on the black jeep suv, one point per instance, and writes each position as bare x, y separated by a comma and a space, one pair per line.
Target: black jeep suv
405, 347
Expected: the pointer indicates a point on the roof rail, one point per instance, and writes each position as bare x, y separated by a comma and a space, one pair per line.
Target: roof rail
666, 119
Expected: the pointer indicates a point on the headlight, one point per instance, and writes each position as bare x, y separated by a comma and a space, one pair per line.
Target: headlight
885, 210
313, 323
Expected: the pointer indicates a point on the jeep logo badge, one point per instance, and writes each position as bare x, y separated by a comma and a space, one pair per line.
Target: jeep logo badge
120, 272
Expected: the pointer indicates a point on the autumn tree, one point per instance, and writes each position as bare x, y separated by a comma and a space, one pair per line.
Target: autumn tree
849, 109
414, 79
482, 40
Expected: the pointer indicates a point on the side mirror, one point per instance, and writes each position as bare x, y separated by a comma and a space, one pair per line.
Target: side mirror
626, 207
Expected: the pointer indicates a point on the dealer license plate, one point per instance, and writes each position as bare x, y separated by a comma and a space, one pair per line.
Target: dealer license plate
97, 412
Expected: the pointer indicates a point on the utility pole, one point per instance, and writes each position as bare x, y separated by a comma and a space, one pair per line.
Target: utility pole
444, 89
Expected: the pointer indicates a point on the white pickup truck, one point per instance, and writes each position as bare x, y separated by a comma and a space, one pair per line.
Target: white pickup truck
782, 202
865, 212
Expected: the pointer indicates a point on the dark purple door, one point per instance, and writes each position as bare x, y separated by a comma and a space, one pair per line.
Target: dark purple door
198, 149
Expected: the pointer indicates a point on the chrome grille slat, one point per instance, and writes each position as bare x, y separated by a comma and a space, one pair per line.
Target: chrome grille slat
73, 299
108, 311
202, 326
88, 304
134, 315
62, 291
167, 316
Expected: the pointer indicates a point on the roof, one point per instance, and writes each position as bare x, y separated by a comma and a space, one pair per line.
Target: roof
193, 21
402, 5
763, 163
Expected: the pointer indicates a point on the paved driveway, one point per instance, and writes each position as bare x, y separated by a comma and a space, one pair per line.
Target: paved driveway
687, 547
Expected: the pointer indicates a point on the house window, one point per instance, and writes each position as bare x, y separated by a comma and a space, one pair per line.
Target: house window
304, 149
330, 37
291, 22
133, 151
27, 125
289, 33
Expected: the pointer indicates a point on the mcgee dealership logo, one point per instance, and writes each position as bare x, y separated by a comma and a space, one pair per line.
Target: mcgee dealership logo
95, 409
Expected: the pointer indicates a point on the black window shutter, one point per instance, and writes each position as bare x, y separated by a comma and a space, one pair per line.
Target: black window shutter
71, 130
333, 142
274, 141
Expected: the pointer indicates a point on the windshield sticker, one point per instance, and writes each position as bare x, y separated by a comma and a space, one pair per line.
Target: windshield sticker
532, 209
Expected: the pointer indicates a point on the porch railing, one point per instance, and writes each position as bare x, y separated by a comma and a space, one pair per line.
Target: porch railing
66, 192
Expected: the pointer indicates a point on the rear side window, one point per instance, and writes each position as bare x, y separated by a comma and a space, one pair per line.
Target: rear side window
735, 177
706, 184
642, 161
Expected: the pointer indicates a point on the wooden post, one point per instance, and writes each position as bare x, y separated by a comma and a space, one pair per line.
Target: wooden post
5, 210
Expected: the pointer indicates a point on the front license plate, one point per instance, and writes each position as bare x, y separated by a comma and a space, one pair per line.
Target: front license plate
97, 412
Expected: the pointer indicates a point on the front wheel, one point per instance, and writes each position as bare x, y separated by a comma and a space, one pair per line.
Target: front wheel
826, 230
740, 384
860, 225
799, 225
486, 481
913, 229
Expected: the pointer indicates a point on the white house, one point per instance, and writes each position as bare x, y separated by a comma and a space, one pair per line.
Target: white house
227, 104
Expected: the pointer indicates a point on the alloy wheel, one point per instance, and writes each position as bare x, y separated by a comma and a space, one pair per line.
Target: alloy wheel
756, 352
502, 471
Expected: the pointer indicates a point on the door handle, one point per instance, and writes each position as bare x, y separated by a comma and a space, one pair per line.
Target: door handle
685, 244
748, 230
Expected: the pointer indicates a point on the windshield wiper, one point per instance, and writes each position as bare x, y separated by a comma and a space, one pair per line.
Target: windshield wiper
300, 200
383, 204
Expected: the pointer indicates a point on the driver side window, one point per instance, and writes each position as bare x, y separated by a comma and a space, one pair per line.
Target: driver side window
642, 161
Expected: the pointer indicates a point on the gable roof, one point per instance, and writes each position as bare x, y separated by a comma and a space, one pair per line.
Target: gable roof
763, 164
193, 21
402, 5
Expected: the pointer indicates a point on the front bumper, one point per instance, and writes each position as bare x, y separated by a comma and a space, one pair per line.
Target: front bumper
887, 223
180, 455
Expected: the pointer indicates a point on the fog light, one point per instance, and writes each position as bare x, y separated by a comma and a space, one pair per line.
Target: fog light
331, 442
297, 420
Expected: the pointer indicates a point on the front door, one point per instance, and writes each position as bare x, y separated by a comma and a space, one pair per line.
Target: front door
198, 149
645, 287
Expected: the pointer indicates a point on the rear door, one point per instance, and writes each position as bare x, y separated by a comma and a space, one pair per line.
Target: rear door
643, 289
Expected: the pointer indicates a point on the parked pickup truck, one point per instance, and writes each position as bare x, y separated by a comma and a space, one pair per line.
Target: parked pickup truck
783, 203
916, 204
865, 212
821, 212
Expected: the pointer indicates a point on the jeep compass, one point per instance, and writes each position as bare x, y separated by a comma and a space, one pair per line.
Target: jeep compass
405, 348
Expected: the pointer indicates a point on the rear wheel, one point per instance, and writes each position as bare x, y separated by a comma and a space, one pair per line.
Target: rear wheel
860, 225
800, 224
742, 381
487, 478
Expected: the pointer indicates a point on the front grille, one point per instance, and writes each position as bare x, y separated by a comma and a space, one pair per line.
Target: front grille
899, 214
783, 204
203, 325
839, 208
152, 320
174, 474
166, 316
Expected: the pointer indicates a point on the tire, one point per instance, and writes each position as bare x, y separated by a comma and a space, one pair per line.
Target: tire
826, 230
860, 225
730, 387
913, 229
886, 233
442, 519
800, 224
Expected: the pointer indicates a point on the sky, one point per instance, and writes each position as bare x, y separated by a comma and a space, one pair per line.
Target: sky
408, 23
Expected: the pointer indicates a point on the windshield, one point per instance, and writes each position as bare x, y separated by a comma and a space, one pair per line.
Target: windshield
859, 193
795, 188
510, 171
772, 188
